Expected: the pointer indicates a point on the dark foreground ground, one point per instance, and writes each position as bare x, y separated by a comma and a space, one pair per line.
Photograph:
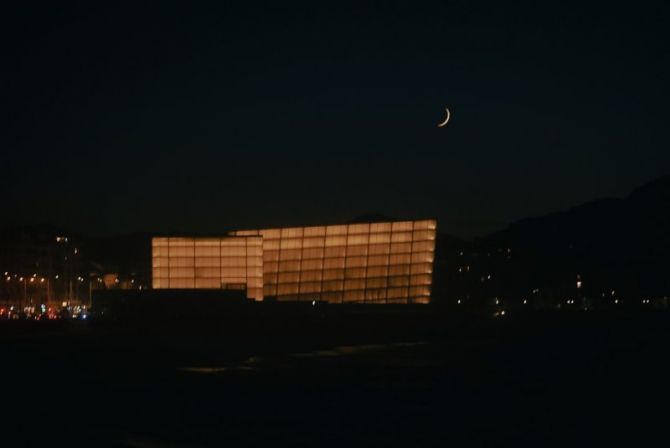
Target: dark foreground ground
310, 379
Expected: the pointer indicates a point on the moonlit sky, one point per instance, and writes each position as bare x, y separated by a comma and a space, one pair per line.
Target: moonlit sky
200, 119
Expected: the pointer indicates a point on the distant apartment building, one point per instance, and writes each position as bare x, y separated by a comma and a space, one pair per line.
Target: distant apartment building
37, 266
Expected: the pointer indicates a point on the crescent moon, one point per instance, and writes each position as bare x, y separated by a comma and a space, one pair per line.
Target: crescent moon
446, 120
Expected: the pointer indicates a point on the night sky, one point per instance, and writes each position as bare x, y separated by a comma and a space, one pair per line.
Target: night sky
202, 119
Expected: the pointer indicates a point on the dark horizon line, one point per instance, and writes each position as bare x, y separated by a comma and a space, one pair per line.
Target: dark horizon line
376, 217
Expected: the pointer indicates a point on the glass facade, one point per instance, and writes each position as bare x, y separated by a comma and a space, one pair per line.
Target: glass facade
208, 263
383, 262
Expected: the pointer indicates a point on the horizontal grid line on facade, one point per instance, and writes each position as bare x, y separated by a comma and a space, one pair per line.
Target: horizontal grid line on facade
401, 255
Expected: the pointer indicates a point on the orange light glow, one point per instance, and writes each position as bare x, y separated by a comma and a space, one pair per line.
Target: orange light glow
388, 262
208, 263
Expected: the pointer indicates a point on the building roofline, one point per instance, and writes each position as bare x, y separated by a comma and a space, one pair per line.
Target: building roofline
333, 224
228, 232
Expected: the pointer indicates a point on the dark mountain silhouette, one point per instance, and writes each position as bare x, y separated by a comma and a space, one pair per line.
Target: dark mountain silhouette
128, 255
615, 242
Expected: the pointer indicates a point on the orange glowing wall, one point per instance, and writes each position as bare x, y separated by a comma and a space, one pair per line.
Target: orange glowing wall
208, 263
386, 262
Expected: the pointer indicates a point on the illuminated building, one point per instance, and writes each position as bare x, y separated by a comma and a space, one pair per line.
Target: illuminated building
381, 262
208, 263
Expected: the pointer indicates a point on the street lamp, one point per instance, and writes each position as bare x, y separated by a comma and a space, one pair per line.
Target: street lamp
21, 279
48, 282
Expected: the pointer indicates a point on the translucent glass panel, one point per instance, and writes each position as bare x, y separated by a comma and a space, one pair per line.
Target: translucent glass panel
387, 262
209, 263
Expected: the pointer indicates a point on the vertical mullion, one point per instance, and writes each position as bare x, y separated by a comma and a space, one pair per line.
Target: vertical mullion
388, 264
169, 274
323, 262
246, 267
344, 269
409, 267
302, 241
365, 276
